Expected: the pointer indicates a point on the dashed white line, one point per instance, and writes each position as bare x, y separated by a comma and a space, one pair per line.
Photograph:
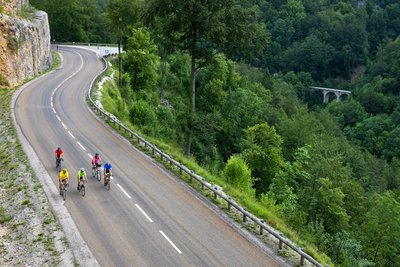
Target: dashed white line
90, 156
71, 135
58, 118
144, 213
81, 146
172, 244
54, 111
64, 125
128, 196
51, 104
51, 98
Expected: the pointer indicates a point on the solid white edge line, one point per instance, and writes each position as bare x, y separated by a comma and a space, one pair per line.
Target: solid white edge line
64, 125
172, 244
128, 196
144, 213
58, 118
71, 135
81, 145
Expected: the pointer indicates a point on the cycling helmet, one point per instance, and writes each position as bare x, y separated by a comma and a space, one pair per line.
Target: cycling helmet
64, 170
96, 154
82, 169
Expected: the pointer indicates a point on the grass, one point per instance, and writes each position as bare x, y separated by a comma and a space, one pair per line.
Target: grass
246, 200
4, 218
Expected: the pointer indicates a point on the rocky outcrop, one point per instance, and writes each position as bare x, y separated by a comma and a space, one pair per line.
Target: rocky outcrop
24, 43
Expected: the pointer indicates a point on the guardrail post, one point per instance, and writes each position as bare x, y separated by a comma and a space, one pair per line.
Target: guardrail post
180, 168
244, 216
161, 156
301, 258
215, 195
229, 203
280, 241
261, 227
153, 151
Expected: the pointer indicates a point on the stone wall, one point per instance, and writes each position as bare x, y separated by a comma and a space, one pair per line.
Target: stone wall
24, 45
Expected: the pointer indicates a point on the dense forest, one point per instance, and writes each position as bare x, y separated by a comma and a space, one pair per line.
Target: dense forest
227, 83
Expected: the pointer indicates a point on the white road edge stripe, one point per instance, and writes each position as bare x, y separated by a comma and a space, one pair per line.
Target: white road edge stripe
172, 244
54, 111
71, 135
144, 213
128, 196
81, 145
64, 125
58, 118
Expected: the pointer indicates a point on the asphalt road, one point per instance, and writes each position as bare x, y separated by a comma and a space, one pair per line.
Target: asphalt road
149, 218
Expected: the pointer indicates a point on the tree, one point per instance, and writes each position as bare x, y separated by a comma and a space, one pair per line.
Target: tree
203, 28
141, 60
122, 14
262, 151
380, 231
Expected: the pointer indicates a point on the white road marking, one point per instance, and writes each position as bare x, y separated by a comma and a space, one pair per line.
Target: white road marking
51, 104
54, 111
90, 156
64, 125
71, 135
128, 196
51, 98
172, 244
81, 146
144, 213
58, 118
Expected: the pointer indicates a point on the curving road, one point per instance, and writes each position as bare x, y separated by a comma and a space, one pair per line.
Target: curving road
149, 218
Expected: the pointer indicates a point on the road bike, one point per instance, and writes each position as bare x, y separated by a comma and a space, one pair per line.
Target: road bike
97, 172
107, 181
81, 187
63, 192
58, 164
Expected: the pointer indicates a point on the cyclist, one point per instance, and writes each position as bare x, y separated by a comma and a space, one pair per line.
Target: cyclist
81, 177
63, 177
59, 154
107, 172
96, 162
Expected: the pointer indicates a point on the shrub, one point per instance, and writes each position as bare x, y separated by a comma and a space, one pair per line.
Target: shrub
238, 173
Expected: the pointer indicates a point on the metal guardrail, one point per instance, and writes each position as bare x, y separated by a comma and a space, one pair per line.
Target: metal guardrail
204, 184
84, 44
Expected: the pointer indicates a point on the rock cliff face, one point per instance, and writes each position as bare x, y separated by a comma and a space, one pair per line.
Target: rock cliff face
24, 43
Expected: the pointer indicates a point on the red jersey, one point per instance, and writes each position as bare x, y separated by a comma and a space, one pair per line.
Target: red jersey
58, 153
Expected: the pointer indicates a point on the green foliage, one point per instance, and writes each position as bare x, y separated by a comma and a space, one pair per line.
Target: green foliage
141, 61
347, 113
238, 173
262, 152
142, 114
380, 231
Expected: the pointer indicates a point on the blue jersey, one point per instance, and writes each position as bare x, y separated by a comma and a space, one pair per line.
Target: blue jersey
107, 167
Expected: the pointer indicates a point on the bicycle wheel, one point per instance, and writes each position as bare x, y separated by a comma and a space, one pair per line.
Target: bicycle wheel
83, 190
108, 183
98, 175
64, 192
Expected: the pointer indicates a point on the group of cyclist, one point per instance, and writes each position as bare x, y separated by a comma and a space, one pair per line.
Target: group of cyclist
82, 177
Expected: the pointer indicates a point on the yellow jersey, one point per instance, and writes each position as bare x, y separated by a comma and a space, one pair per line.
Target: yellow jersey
63, 176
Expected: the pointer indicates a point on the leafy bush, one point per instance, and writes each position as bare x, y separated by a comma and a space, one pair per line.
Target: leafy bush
142, 114
238, 173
